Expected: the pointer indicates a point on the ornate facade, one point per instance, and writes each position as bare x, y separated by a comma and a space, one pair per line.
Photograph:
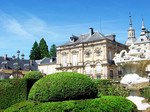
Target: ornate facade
90, 54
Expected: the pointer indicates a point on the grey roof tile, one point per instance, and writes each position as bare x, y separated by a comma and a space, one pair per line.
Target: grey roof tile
46, 61
12, 62
89, 38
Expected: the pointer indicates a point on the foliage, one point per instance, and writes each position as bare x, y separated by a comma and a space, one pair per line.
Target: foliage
145, 92
12, 91
111, 88
104, 104
52, 52
33, 75
63, 86
35, 52
43, 48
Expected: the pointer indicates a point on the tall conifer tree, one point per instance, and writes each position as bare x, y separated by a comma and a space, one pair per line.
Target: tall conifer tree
43, 48
52, 52
35, 52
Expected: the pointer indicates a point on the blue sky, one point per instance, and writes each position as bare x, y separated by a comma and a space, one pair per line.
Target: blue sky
22, 22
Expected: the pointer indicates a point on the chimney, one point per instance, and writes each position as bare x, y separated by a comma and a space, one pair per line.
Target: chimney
5, 57
91, 31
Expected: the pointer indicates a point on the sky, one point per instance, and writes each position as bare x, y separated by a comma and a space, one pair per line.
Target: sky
22, 22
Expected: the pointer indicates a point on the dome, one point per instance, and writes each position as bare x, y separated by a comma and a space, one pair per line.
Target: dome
130, 41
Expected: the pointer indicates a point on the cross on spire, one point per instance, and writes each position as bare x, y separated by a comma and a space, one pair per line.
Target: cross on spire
130, 21
143, 26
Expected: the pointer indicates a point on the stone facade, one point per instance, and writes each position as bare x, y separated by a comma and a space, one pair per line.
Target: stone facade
47, 65
90, 54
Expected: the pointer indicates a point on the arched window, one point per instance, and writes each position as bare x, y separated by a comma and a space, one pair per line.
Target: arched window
98, 68
88, 69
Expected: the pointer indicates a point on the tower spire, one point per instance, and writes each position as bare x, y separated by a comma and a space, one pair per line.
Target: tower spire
143, 26
131, 33
130, 20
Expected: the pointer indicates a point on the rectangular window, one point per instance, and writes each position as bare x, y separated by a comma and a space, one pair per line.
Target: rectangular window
74, 60
64, 60
98, 76
110, 55
111, 74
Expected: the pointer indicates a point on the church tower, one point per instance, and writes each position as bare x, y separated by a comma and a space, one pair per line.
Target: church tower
144, 35
143, 29
131, 34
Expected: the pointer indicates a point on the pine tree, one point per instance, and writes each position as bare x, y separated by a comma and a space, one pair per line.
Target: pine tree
52, 52
35, 52
43, 48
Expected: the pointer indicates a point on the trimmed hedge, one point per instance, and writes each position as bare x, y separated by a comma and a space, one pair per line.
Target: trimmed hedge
104, 104
145, 92
110, 88
33, 75
12, 91
63, 86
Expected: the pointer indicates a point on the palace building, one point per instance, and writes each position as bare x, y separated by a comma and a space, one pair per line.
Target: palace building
90, 54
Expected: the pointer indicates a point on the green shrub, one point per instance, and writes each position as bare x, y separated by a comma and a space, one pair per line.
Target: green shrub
12, 91
1, 110
63, 86
145, 92
111, 88
104, 104
33, 75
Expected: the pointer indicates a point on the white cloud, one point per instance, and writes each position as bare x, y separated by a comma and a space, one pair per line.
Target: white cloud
21, 33
12, 25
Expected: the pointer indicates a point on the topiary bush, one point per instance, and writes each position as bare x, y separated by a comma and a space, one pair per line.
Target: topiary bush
110, 88
12, 91
145, 92
33, 75
63, 86
103, 104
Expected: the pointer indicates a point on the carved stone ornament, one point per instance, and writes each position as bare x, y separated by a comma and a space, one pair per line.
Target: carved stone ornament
64, 53
98, 51
87, 52
74, 52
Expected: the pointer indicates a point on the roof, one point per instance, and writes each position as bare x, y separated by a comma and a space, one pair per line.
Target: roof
96, 36
24, 64
48, 61
130, 41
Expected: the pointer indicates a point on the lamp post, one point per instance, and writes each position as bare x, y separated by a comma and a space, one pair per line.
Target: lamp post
18, 54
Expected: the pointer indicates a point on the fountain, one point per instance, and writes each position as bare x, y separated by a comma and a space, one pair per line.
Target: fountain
133, 64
